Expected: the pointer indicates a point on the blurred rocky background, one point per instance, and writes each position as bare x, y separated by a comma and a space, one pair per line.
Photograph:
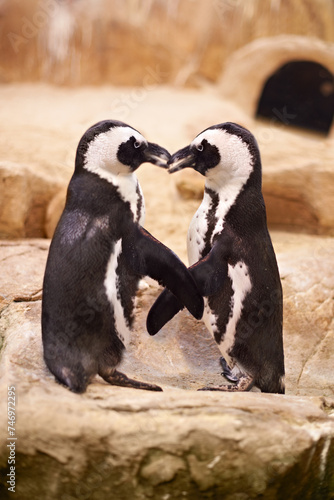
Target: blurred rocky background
170, 68
111, 41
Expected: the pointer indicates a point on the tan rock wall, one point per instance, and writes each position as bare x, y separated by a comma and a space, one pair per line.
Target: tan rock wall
114, 41
25, 191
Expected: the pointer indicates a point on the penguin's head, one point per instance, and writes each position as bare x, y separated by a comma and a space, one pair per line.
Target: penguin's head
113, 147
221, 153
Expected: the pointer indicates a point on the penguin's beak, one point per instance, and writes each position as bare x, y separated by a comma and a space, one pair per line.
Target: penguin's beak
182, 159
157, 155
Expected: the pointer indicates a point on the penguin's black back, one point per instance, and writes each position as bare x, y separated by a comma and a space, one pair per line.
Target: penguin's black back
75, 304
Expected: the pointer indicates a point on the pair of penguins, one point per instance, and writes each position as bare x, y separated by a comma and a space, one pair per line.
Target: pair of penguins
100, 251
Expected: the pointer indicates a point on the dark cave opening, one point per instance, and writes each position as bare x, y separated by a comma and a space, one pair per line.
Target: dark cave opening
299, 94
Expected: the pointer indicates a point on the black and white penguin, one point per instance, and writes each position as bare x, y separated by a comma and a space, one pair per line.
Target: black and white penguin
98, 254
232, 260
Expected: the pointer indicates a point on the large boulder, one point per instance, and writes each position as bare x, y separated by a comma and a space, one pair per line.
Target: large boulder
24, 193
298, 188
308, 287
121, 443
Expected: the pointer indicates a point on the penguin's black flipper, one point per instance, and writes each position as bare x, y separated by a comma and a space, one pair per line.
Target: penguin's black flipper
209, 273
163, 310
148, 257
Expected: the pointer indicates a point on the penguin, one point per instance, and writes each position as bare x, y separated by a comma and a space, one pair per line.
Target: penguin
232, 260
97, 256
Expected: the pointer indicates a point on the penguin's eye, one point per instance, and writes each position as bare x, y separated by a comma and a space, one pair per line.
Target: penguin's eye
137, 144
200, 147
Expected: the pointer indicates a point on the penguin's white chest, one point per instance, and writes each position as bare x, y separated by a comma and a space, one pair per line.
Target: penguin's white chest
241, 286
209, 220
130, 192
197, 232
112, 286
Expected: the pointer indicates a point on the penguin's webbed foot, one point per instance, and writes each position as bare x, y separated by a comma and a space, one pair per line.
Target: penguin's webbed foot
244, 383
120, 379
227, 372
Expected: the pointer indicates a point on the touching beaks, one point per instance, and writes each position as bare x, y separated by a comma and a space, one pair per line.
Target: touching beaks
157, 155
181, 159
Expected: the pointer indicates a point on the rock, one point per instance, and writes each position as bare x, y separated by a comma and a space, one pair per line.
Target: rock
189, 184
162, 468
121, 443
72, 43
308, 287
298, 189
24, 195
207, 441
22, 269
53, 212
247, 69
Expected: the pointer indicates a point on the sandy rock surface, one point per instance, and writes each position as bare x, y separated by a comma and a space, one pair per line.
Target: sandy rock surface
183, 355
125, 443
